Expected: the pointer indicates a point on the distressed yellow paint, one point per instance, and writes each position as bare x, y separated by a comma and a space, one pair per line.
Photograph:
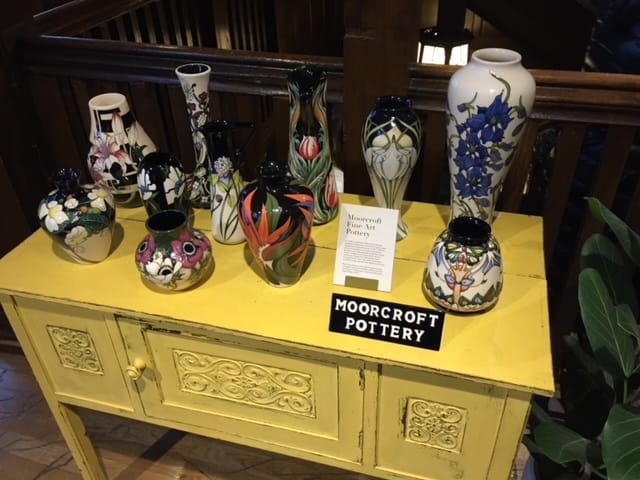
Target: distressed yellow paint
353, 393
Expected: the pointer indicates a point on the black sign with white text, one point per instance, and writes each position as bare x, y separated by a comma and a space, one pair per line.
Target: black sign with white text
391, 322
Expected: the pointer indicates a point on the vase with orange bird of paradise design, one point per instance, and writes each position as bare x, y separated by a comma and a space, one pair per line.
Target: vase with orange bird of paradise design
276, 215
464, 270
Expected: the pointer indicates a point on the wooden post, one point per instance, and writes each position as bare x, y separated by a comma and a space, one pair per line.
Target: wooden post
381, 39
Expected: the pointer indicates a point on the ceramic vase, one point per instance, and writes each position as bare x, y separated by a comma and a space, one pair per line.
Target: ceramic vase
488, 103
226, 179
391, 143
276, 214
173, 255
309, 142
464, 269
118, 144
80, 218
162, 184
194, 80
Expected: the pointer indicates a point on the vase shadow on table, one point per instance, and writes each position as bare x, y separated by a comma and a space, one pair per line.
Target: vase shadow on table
116, 239
253, 264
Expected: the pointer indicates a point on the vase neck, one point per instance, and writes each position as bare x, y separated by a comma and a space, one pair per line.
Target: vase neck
67, 180
393, 103
469, 231
305, 80
110, 112
167, 223
496, 57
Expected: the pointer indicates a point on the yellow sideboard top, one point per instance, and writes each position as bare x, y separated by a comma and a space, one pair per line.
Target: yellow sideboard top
509, 345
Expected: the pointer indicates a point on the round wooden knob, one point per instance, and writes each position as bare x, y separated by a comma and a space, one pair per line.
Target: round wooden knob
135, 371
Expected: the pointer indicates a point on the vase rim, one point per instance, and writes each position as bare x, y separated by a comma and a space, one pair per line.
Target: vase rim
496, 56
470, 231
107, 101
166, 222
392, 102
193, 69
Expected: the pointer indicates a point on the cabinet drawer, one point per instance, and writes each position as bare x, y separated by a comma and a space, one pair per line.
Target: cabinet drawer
304, 401
436, 427
75, 349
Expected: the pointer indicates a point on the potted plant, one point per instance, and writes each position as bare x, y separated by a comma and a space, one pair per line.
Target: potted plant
597, 433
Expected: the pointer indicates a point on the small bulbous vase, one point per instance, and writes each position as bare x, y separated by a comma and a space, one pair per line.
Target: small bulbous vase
173, 255
464, 269
276, 214
80, 218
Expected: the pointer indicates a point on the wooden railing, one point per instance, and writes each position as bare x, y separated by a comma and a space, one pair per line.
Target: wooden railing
63, 67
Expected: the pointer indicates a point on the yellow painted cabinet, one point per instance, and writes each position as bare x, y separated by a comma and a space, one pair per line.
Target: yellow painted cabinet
76, 349
251, 390
239, 360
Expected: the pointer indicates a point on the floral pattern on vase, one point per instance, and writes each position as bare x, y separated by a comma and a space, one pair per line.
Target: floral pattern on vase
276, 214
80, 218
309, 142
464, 269
226, 179
391, 143
173, 255
118, 144
162, 184
194, 80
489, 101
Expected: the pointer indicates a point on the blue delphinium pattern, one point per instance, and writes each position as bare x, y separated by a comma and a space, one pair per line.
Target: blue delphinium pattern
482, 150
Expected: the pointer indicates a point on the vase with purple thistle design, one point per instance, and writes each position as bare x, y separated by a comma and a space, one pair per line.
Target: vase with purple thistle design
173, 255
194, 80
464, 269
79, 218
391, 143
225, 159
118, 145
276, 214
488, 103
309, 142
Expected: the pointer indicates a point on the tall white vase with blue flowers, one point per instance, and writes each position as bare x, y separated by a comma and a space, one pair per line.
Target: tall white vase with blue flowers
489, 102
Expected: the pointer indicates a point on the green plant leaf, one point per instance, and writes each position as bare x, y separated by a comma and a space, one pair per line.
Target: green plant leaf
611, 345
601, 253
621, 444
629, 240
627, 321
560, 444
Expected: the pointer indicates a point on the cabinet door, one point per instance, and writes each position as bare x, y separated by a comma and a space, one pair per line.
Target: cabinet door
253, 392
75, 349
436, 427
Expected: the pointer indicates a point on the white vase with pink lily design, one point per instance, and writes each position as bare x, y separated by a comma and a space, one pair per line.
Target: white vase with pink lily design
309, 142
118, 144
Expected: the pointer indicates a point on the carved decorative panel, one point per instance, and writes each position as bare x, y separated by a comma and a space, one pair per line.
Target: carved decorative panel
253, 384
75, 349
435, 424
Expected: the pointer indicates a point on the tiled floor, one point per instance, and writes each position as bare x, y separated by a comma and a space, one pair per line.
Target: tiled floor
31, 446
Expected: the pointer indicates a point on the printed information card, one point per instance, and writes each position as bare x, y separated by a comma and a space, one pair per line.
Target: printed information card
366, 247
